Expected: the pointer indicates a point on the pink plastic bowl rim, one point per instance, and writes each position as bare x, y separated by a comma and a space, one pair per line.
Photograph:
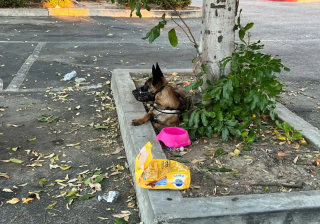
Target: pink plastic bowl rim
174, 137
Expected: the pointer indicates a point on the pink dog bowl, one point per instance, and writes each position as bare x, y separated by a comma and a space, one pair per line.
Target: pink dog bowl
174, 137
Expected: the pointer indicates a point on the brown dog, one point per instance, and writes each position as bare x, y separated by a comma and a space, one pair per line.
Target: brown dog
169, 102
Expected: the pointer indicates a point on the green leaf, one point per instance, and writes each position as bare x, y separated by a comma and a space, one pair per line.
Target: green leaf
225, 134
235, 132
185, 118
13, 160
87, 181
42, 181
145, 5
218, 152
208, 131
51, 205
194, 85
219, 116
204, 119
204, 68
192, 134
138, 7
98, 172
98, 179
232, 122
201, 130
244, 134
71, 197
132, 6
191, 120
247, 147
86, 197
248, 26
173, 37
119, 221
279, 124
297, 136
286, 127
48, 118
154, 33
241, 35
27, 103
32, 139
196, 119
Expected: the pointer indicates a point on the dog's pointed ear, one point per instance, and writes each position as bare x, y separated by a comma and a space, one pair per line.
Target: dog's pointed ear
153, 70
157, 75
158, 69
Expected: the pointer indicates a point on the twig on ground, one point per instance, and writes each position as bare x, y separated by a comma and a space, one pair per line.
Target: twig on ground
266, 184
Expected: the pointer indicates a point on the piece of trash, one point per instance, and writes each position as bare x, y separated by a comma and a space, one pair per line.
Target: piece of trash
69, 76
175, 149
160, 173
80, 79
110, 196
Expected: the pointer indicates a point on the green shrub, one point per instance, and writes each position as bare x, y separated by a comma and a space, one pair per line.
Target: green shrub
167, 4
12, 3
236, 102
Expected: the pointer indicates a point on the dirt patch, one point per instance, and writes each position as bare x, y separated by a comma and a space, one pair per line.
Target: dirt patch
271, 166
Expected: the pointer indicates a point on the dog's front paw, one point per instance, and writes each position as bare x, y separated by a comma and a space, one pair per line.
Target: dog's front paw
137, 122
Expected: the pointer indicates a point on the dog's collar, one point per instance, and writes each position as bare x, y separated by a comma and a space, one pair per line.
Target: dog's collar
160, 90
168, 111
181, 108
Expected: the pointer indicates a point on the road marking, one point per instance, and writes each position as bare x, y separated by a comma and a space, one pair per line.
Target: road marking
21, 74
43, 90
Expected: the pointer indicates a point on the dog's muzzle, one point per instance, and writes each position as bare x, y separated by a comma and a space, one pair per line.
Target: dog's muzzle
143, 95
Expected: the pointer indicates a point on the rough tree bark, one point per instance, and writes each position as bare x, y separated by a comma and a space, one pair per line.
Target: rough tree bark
217, 35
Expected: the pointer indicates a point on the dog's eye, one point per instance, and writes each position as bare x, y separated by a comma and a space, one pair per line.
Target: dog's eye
144, 88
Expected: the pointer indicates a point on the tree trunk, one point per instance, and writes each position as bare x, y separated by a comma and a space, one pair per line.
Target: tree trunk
217, 35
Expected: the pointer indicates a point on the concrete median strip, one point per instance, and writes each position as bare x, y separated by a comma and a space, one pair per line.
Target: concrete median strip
168, 206
84, 12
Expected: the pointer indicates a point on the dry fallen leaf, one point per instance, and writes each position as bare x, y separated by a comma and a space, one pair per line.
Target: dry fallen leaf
281, 154
7, 190
64, 167
26, 201
119, 149
37, 163
318, 162
96, 186
54, 166
295, 160
4, 175
124, 214
13, 201
51, 205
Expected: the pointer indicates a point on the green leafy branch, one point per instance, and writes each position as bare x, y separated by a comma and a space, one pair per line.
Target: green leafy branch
235, 102
136, 5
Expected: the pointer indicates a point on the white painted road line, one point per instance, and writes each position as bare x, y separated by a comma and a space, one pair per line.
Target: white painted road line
21, 74
43, 90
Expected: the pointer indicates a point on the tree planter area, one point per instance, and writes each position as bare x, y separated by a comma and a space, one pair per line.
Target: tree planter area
169, 206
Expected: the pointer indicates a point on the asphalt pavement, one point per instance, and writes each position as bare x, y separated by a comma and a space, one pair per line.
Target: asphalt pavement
35, 52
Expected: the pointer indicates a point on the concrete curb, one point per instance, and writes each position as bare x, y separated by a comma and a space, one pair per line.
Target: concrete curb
97, 12
24, 12
168, 206
311, 133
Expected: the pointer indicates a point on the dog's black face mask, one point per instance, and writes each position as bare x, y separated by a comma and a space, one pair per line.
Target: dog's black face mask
141, 94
